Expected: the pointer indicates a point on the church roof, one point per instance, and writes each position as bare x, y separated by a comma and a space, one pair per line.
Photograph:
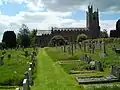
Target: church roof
70, 29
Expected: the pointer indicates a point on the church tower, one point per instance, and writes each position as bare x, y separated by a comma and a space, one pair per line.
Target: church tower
92, 22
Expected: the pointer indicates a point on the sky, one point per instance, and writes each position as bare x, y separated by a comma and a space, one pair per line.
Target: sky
44, 14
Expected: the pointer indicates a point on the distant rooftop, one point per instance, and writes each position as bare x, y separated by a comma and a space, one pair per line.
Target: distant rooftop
55, 28
40, 32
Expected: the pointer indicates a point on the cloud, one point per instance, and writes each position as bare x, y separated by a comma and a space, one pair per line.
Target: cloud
71, 5
68, 5
45, 20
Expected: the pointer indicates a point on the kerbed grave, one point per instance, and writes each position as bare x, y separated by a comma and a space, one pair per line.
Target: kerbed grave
114, 77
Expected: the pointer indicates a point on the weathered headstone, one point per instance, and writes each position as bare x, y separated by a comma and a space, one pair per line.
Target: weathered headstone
103, 49
25, 85
64, 48
85, 58
114, 47
93, 48
17, 89
75, 46
69, 51
80, 45
84, 46
115, 70
99, 66
30, 76
98, 44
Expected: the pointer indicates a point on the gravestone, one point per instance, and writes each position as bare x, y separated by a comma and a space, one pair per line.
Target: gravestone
93, 48
98, 44
2, 60
114, 47
26, 53
115, 70
103, 49
99, 66
30, 76
17, 89
75, 46
84, 46
25, 85
80, 45
30, 65
72, 49
85, 58
89, 59
69, 51
64, 48
26, 76
9, 56
92, 65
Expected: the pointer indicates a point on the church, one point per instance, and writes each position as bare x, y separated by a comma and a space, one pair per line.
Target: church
92, 29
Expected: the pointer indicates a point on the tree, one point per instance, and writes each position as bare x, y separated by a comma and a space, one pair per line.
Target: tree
9, 38
33, 37
23, 36
81, 37
103, 34
57, 40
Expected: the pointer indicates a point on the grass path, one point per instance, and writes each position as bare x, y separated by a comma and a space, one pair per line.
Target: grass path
50, 76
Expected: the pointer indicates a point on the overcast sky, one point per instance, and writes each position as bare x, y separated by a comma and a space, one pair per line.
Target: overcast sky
42, 14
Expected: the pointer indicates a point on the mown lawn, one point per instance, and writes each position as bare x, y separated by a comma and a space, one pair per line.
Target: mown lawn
57, 54
12, 72
50, 76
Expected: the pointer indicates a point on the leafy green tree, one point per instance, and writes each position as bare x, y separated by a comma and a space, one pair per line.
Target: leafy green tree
23, 36
57, 40
33, 37
81, 37
103, 34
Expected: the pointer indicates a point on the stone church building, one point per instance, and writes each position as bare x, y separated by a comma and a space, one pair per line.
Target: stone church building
92, 29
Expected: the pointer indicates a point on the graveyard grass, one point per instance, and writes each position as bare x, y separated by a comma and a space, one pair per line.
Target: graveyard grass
12, 72
50, 76
57, 54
